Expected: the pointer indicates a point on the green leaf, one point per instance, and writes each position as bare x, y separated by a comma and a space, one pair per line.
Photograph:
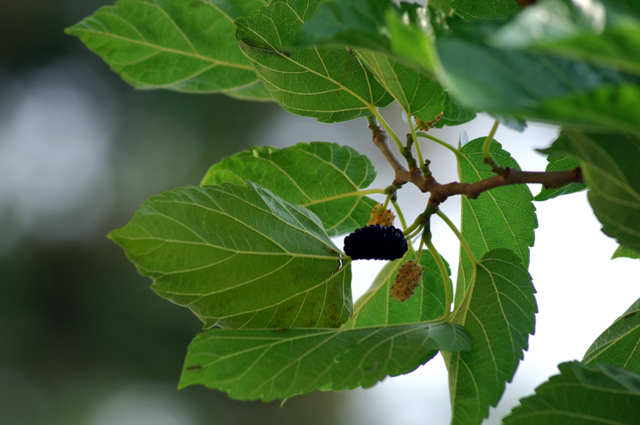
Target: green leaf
254, 92
412, 37
600, 34
560, 163
443, 5
503, 217
580, 395
485, 9
354, 23
376, 307
270, 364
385, 44
325, 83
624, 252
454, 114
239, 257
498, 310
627, 6
613, 108
511, 81
518, 124
536, 85
619, 345
401, 32
324, 177
187, 46
417, 93
610, 169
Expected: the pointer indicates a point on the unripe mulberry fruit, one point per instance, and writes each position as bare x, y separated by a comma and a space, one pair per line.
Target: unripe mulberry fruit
381, 216
376, 243
407, 280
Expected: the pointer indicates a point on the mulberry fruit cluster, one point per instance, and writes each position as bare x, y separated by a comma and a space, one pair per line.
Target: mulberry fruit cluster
381, 216
376, 243
407, 280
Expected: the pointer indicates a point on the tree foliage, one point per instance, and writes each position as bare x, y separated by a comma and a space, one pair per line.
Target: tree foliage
249, 250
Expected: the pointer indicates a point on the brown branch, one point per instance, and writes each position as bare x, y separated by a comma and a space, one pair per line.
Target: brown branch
381, 140
440, 192
510, 176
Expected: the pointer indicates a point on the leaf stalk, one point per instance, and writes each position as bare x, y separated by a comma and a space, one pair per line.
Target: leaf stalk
488, 158
426, 238
439, 141
463, 241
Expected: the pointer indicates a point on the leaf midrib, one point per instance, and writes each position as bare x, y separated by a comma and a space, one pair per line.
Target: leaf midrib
467, 310
169, 50
331, 334
497, 206
265, 307
294, 215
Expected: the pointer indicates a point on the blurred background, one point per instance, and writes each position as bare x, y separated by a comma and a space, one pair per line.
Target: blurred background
83, 340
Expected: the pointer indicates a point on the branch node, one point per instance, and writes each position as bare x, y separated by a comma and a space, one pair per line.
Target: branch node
426, 169
411, 162
577, 173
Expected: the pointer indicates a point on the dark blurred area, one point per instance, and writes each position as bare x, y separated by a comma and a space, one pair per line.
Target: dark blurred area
83, 340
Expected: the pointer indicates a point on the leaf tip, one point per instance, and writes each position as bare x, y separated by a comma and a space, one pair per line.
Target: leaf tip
113, 235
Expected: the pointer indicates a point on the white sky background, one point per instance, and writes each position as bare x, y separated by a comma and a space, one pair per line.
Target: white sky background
580, 290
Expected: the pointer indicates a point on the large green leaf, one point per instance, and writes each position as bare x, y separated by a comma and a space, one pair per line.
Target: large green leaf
376, 307
254, 92
416, 92
454, 114
485, 77
602, 34
503, 217
485, 9
354, 23
442, 5
188, 46
324, 177
582, 395
395, 44
412, 35
535, 85
610, 168
402, 32
269, 364
509, 80
326, 83
560, 163
624, 252
498, 310
619, 345
239, 257
518, 124
614, 108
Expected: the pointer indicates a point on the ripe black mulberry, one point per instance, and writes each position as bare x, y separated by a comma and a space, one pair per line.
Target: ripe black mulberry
376, 243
